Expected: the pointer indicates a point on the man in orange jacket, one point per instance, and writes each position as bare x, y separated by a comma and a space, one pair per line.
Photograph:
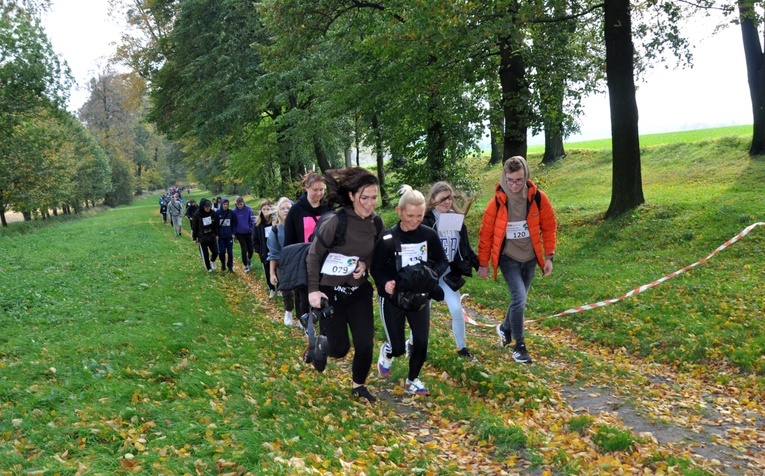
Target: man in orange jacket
517, 234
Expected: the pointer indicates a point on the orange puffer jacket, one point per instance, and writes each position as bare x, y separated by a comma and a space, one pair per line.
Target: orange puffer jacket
540, 217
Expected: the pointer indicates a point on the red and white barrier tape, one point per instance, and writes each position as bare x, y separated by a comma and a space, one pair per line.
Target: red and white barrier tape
635, 291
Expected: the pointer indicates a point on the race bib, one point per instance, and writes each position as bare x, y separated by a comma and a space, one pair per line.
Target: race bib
206, 221
226, 222
413, 253
338, 264
268, 231
517, 230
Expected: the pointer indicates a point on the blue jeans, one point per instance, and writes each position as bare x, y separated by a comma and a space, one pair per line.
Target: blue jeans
518, 278
226, 252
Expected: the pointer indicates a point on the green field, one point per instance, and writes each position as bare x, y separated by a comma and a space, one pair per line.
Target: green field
119, 354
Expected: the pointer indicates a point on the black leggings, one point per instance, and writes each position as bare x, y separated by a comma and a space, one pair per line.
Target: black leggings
245, 243
353, 311
267, 272
394, 320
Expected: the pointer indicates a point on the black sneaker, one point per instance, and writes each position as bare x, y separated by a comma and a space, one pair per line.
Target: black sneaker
362, 392
520, 354
320, 353
464, 352
504, 337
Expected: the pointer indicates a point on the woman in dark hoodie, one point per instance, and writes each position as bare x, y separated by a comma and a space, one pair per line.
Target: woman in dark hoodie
204, 232
301, 223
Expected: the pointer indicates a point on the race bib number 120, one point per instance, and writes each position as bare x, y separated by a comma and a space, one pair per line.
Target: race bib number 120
517, 230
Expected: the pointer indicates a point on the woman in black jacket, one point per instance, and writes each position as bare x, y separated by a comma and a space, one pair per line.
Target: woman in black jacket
448, 219
407, 263
204, 232
260, 240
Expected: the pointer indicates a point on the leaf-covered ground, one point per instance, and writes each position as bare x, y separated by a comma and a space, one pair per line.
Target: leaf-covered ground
712, 417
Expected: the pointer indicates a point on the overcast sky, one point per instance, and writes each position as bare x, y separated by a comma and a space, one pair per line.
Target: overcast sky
713, 93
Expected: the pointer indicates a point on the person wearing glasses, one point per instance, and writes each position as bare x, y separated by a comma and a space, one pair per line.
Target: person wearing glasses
517, 233
448, 219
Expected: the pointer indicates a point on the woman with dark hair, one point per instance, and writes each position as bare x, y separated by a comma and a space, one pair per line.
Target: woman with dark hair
337, 273
260, 233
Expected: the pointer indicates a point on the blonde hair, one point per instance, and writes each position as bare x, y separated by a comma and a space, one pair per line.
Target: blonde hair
278, 219
463, 206
410, 196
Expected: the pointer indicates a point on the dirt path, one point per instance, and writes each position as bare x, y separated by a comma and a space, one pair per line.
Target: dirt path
713, 416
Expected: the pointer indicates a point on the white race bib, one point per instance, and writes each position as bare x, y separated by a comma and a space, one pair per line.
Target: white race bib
413, 253
337, 264
206, 221
226, 222
517, 230
268, 231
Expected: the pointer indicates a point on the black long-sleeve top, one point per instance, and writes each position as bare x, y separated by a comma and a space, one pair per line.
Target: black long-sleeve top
384, 266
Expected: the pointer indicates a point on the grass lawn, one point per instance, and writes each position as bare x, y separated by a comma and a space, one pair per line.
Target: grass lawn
119, 354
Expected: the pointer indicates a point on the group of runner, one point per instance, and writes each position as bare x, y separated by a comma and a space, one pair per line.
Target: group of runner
426, 255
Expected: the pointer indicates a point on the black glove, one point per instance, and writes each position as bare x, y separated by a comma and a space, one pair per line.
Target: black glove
437, 294
454, 281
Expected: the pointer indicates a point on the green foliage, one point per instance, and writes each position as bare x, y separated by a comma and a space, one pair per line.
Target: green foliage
609, 439
580, 424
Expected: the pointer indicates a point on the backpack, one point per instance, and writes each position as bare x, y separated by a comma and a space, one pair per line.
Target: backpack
292, 263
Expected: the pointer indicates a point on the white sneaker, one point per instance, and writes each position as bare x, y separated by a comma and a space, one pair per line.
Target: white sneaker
213, 266
271, 294
415, 387
287, 318
383, 362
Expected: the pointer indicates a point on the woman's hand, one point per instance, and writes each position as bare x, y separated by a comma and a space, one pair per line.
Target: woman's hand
361, 269
314, 299
390, 286
274, 280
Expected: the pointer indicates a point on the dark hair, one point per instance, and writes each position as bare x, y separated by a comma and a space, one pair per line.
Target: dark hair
343, 182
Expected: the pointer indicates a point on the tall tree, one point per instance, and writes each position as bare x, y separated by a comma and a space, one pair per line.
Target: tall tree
626, 185
31, 78
755, 70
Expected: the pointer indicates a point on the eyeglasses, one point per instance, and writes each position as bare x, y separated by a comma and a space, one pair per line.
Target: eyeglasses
519, 181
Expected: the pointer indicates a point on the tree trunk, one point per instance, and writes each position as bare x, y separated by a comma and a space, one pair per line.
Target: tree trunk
626, 184
348, 152
321, 155
755, 75
3, 220
436, 144
380, 156
554, 150
496, 126
515, 98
